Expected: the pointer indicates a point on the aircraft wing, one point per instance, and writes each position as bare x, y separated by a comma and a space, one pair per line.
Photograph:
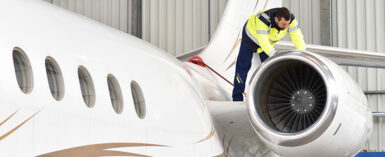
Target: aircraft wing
342, 56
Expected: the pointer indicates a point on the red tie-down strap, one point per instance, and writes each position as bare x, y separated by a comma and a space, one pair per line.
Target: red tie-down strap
198, 61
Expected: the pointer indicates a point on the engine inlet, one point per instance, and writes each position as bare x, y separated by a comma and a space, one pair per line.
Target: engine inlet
294, 97
289, 93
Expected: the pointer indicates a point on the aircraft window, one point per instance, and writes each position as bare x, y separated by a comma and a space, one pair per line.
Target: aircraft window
55, 78
115, 94
137, 96
23, 70
86, 86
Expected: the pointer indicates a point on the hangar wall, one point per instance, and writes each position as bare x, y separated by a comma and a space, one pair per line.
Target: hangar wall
178, 26
124, 15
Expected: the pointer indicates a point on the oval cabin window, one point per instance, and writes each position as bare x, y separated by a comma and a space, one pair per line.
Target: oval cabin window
137, 96
115, 94
23, 70
86, 86
55, 78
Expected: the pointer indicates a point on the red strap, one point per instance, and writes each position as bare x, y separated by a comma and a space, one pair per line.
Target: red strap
198, 60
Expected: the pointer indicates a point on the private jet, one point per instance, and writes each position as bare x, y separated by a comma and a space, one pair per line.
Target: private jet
74, 87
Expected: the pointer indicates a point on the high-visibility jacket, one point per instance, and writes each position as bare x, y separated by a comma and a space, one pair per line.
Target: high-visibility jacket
262, 29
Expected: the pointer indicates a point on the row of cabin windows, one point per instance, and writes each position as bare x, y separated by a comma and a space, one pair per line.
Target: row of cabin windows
24, 75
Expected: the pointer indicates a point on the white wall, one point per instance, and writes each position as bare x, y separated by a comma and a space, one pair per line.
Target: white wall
179, 26
307, 14
115, 13
354, 24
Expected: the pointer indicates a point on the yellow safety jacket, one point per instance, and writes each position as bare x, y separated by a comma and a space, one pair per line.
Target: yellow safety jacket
262, 29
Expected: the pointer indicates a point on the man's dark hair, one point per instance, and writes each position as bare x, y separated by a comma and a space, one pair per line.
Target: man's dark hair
283, 13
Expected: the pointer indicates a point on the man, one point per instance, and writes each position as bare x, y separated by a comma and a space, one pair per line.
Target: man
260, 34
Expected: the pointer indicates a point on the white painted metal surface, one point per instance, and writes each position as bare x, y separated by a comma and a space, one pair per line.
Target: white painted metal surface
221, 54
177, 121
215, 48
345, 122
355, 24
342, 56
223, 49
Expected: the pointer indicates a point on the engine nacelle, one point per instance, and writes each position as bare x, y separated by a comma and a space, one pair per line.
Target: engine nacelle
303, 104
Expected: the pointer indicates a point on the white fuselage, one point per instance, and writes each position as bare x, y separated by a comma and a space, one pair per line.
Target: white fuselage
176, 120
166, 108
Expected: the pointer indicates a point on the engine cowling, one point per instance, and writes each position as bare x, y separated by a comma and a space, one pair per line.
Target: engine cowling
303, 104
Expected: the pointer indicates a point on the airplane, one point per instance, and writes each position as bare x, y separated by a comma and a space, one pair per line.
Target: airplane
75, 87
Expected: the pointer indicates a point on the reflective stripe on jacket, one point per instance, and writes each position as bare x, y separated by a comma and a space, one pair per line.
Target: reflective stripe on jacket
263, 30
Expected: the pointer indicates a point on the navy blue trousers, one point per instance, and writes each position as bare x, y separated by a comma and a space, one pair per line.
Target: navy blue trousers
243, 66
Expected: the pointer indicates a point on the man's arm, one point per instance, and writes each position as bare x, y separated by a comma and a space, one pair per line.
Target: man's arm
260, 31
296, 35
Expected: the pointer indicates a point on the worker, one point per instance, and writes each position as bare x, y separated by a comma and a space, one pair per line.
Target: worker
260, 33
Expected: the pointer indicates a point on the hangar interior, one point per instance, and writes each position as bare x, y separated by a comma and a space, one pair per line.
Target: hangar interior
179, 26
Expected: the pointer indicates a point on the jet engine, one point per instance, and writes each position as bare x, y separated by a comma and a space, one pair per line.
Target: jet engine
303, 104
